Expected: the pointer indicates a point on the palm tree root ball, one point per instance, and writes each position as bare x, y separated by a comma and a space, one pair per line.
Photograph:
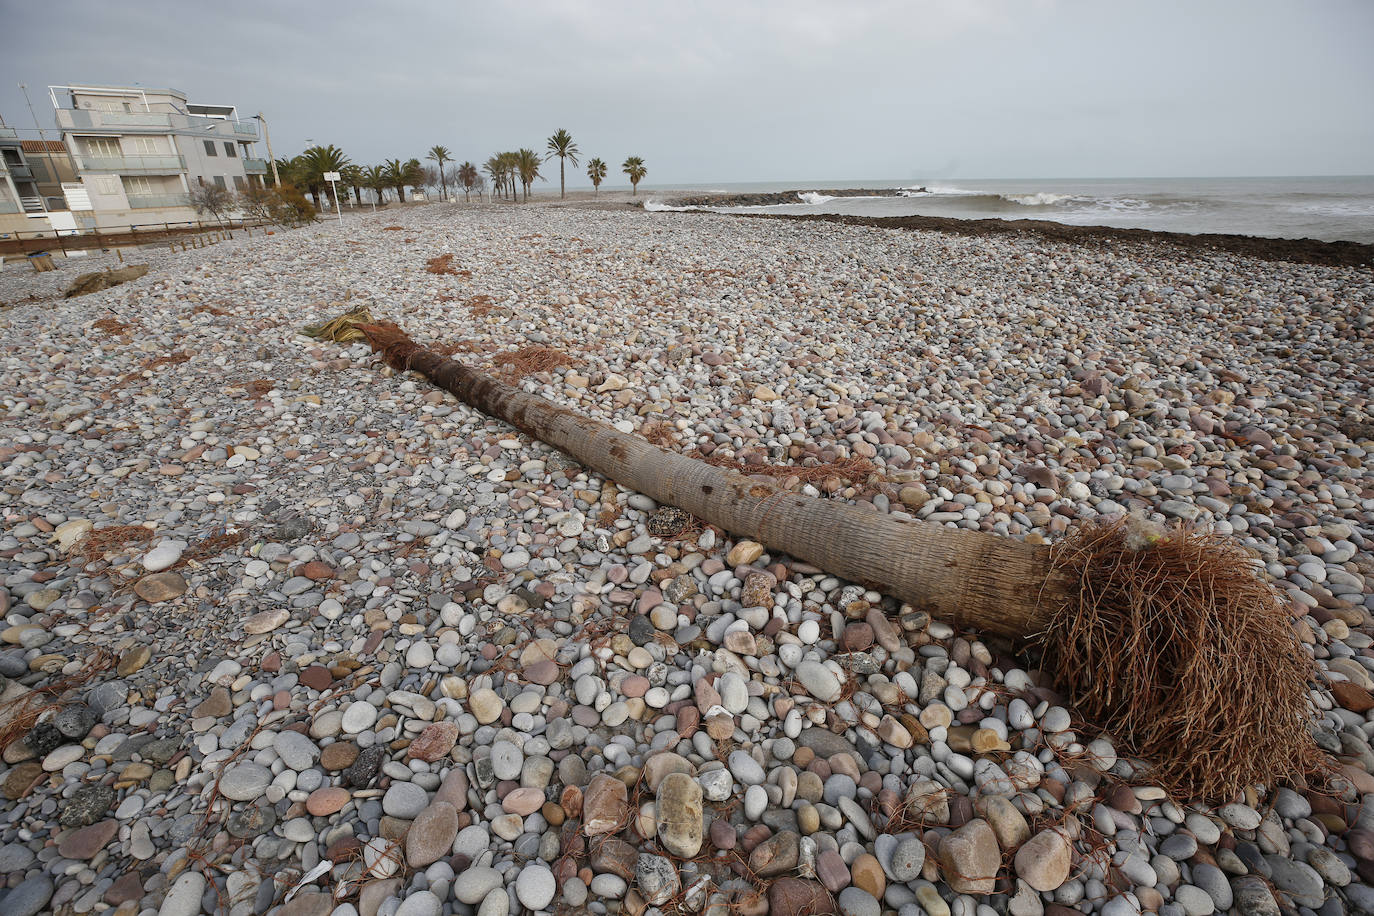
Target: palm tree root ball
1171, 641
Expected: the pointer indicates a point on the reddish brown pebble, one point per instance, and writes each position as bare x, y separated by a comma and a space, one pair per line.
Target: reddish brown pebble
635, 685
338, 756
1352, 696
128, 887
344, 849
326, 801
754, 836
271, 662
434, 742
795, 897
832, 871
523, 801
374, 639
83, 844
856, 637
543, 673
316, 570
723, 834
571, 801
688, 719
316, 677
1123, 799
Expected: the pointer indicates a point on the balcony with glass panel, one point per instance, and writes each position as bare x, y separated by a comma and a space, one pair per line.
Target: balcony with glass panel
154, 201
131, 165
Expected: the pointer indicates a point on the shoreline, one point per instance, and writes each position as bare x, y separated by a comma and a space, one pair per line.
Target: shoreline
1266, 248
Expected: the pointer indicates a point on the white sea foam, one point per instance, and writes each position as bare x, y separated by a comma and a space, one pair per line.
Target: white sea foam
1039, 199
813, 197
928, 190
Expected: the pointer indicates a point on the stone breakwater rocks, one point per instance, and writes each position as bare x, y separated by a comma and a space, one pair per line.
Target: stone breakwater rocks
327, 616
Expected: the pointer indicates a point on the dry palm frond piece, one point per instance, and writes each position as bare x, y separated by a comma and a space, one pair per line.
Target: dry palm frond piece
529, 360
343, 329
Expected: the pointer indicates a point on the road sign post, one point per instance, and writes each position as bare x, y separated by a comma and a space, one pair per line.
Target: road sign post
332, 178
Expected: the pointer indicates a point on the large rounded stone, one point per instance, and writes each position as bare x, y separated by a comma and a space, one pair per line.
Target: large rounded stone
677, 809
970, 858
795, 897
183, 899
244, 781
535, 886
431, 834
404, 800
1043, 861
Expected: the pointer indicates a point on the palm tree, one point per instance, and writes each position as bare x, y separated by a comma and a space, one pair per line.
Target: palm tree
440, 154
596, 171
285, 169
354, 177
493, 169
634, 167
398, 175
561, 145
468, 177
376, 178
527, 164
314, 162
414, 174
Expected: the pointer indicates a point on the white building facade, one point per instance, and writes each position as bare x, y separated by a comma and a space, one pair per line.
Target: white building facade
139, 153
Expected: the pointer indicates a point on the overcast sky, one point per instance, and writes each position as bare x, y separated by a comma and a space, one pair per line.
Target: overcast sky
746, 90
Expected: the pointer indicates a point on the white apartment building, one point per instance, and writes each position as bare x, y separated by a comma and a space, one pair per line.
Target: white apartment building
139, 152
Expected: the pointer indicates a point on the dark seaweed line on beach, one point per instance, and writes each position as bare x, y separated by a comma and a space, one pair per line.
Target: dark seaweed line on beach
1298, 251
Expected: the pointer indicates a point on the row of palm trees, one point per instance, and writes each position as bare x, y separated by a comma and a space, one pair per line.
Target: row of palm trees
307, 172
510, 172
505, 169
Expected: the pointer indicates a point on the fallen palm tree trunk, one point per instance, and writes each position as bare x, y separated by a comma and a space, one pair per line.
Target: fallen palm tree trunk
1170, 640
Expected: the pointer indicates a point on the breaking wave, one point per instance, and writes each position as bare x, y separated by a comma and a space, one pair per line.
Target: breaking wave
1039, 199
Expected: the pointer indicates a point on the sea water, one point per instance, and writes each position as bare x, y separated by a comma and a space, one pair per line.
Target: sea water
1332, 209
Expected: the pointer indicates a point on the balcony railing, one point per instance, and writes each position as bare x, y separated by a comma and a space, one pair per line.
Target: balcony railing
136, 118
32, 204
254, 166
151, 201
8, 206
8, 132
16, 169
135, 122
131, 164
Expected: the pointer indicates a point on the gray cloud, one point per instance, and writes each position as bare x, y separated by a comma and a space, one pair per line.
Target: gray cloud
715, 92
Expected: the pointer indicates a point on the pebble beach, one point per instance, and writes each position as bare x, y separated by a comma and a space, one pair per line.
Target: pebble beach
308, 636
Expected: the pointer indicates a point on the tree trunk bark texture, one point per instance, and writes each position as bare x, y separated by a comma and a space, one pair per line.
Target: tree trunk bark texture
968, 578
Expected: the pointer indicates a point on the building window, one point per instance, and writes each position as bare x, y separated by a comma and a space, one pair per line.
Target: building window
148, 146
201, 180
210, 148
106, 185
103, 148
239, 184
229, 149
219, 181
137, 186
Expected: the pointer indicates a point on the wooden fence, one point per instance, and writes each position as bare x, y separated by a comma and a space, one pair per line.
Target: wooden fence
116, 236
